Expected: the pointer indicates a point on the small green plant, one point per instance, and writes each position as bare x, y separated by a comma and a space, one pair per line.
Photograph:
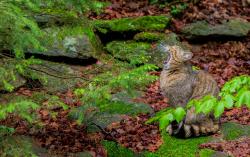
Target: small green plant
178, 9
235, 93
98, 94
23, 109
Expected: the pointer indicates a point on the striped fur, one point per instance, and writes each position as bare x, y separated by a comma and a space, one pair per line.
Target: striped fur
179, 83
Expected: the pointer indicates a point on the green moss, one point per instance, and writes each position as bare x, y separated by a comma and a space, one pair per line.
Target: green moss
206, 153
174, 147
149, 36
135, 52
59, 33
55, 17
232, 131
145, 23
81, 38
115, 150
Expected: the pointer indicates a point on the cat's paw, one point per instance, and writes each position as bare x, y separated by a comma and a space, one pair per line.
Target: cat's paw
170, 130
203, 128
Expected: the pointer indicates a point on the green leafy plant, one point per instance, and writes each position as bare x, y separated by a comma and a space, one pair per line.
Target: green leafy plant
25, 110
178, 9
235, 93
98, 94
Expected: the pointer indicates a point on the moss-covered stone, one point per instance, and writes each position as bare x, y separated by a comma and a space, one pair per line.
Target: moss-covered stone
102, 120
149, 36
135, 52
233, 27
54, 76
145, 23
123, 104
232, 131
70, 41
51, 17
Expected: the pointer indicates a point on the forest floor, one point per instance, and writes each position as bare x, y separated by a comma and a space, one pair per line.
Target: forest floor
222, 59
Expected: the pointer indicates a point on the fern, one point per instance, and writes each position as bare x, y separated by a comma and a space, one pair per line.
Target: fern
99, 92
17, 31
22, 108
235, 93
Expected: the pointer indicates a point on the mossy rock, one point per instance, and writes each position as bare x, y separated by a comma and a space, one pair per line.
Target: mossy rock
136, 52
10, 79
149, 36
55, 17
28, 147
233, 27
79, 42
53, 77
145, 23
94, 120
11, 147
122, 103
102, 120
232, 131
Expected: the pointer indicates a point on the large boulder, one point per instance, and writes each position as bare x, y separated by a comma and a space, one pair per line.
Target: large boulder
78, 42
233, 27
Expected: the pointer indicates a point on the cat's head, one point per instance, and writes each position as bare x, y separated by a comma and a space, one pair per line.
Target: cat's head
176, 54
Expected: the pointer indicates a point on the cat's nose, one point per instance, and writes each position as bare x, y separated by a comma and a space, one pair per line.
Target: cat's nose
188, 56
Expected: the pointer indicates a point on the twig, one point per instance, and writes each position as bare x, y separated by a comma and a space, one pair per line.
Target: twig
62, 77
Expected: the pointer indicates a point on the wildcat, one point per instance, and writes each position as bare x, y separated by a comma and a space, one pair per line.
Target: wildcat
179, 83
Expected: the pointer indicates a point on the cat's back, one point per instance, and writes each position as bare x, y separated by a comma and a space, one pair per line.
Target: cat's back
205, 84
177, 87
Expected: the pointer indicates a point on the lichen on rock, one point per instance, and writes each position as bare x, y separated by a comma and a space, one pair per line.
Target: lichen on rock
73, 42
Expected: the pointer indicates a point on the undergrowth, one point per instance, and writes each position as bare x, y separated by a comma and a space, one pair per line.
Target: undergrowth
235, 93
19, 31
